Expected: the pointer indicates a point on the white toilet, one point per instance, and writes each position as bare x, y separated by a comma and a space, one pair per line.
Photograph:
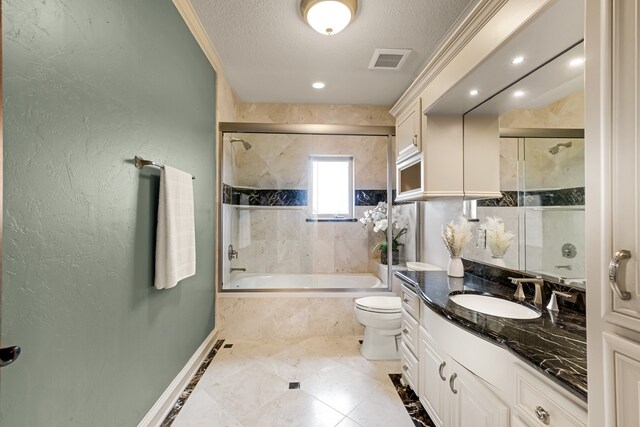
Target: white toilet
380, 316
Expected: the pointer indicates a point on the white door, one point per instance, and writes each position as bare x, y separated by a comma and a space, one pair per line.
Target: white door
434, 392
473, 404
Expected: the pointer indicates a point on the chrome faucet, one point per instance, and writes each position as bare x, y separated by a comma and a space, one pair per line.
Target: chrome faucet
232, 269
538, 281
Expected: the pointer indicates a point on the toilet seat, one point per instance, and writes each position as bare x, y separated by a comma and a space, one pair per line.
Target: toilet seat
379, 304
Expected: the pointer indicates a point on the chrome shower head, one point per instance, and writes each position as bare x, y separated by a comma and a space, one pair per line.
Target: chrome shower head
556, 148
247, 146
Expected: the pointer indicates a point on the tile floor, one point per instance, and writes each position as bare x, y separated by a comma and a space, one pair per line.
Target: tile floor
253, 384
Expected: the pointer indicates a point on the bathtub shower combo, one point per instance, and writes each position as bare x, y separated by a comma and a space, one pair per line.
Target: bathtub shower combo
291, 200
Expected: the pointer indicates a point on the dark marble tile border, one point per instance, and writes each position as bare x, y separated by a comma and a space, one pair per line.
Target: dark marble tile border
501, 275
292, 197
171, 416
562, 197
411, 403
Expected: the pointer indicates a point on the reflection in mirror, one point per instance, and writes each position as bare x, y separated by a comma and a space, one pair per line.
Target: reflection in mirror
538, 224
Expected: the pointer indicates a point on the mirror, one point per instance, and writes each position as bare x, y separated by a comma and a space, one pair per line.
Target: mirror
538, 224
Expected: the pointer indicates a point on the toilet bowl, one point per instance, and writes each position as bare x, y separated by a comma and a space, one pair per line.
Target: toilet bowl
381, 318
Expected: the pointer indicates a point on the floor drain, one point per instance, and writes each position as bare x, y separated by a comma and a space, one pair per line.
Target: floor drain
294, 386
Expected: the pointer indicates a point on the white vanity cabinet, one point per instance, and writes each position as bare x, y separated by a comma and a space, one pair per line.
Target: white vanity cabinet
452, 395
434, 374
409, 342
438, 170
409, 131
466, 381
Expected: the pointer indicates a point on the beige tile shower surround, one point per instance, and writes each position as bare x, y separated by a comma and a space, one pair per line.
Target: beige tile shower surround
282, 241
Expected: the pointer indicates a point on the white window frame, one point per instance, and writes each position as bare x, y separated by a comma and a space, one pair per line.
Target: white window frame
351, 190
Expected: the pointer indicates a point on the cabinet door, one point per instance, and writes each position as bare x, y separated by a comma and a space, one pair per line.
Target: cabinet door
434, 392
625, 185
408, 131
622, 389
473, 404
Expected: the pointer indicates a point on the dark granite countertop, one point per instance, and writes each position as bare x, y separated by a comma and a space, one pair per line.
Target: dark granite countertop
554, 345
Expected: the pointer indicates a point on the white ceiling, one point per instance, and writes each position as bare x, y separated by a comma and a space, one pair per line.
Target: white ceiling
270, 54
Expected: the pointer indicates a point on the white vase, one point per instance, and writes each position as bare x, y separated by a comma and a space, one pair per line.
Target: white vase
498, 261
455, 267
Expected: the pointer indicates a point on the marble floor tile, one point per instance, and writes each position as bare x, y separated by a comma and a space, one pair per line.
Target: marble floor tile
348, 422
340, 387
202, 411
253, 385
295, 408
382, 408
248, 385
376, 369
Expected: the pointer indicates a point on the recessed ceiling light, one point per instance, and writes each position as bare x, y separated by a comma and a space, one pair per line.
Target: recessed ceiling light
318, 85
518, 93
517, 60
473, 92
576, 62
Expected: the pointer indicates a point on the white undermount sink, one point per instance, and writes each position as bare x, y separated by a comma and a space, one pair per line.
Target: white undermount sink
494, 306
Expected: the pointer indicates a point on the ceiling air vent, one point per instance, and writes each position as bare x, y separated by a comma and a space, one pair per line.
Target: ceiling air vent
388, 59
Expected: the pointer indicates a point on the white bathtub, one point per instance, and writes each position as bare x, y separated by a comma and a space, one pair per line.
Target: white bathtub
304, 281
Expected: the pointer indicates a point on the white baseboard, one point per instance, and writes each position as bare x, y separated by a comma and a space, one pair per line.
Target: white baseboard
165, 403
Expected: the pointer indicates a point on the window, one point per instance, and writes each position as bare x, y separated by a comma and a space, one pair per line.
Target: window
331, 187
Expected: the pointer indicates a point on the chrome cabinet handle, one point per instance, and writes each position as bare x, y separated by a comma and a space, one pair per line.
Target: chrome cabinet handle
442, 365
404, 331
542, 414
415, 143
404, 367
405, 299
613, 274
451, 380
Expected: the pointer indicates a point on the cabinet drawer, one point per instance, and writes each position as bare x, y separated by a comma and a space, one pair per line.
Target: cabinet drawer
544, 406
410, 332
409, 366
410, 302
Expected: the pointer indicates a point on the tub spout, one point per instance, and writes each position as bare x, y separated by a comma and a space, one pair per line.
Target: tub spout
232, 269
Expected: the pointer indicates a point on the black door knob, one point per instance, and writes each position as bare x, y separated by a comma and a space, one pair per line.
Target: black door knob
8, 355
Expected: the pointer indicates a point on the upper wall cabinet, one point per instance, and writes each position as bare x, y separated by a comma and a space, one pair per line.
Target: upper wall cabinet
409, 131
456, 156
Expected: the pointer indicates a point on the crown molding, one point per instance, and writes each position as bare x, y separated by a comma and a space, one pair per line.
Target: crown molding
188, 13
463, 32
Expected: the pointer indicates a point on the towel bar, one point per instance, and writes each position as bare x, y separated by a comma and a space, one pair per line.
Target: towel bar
140, 163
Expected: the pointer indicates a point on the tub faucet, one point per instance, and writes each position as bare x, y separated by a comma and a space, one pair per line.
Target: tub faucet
232, 269
538, 281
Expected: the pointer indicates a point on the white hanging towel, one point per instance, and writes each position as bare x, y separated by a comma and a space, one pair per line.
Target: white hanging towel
176, 235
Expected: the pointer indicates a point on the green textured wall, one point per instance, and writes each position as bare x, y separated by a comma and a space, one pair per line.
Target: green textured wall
87, 85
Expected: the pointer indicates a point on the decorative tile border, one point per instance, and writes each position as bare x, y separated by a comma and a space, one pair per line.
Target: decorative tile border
290, 197
171, 416
563, 197
411, 403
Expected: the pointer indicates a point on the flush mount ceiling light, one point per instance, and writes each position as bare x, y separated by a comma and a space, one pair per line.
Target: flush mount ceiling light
517, 60
473, 92
328, 16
